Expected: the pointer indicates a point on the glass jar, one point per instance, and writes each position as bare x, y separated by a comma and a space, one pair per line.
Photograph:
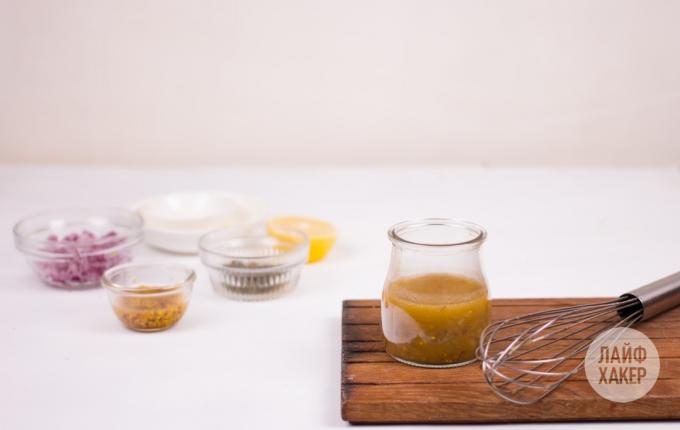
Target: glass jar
435, 300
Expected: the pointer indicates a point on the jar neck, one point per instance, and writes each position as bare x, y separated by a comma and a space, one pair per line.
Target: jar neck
468, 254
412, 261
436, 245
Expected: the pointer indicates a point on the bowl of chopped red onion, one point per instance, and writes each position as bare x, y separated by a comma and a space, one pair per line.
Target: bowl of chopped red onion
72, 248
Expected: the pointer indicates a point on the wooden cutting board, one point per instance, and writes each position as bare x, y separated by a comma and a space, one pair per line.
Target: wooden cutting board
377, 389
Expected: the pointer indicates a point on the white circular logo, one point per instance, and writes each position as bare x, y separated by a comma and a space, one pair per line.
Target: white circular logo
622, 364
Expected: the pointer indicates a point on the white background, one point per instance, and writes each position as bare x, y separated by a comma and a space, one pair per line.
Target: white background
67, 363
166, 87
340, 81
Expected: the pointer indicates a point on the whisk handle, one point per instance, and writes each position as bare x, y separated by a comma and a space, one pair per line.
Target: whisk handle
658, 296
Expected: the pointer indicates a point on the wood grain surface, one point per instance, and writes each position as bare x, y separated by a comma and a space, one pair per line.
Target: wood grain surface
377, 389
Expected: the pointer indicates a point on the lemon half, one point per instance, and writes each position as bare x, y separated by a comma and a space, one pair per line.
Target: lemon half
321, 234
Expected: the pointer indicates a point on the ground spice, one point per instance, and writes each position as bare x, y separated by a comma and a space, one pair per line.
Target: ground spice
150, 309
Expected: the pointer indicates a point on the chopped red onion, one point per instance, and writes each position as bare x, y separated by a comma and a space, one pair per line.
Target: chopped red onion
75, 265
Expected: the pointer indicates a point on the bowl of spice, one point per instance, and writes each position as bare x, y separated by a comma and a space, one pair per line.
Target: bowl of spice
72, 248
252, 265
149, 296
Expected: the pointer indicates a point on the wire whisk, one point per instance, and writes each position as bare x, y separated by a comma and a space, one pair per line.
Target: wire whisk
527, 357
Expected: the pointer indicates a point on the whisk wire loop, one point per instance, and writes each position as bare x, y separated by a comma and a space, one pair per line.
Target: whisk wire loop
525, 358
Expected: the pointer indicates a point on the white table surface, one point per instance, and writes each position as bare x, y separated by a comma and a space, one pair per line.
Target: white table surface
67, 363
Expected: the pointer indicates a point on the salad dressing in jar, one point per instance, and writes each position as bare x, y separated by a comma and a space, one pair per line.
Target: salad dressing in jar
435, 300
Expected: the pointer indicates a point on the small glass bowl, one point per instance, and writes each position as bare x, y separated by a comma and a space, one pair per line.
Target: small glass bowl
149, 296
252, 265
72, 248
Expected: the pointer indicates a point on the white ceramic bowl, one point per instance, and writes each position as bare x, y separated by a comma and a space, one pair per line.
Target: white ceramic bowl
175, 222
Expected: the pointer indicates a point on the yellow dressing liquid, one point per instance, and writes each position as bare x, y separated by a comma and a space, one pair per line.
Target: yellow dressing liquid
434, 319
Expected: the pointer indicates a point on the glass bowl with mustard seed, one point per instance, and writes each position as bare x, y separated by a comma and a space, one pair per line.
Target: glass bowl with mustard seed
149, 296
249, 264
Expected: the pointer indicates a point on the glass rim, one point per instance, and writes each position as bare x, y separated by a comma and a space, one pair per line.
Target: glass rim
395, 232
208, 248
33, 246
107, 282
